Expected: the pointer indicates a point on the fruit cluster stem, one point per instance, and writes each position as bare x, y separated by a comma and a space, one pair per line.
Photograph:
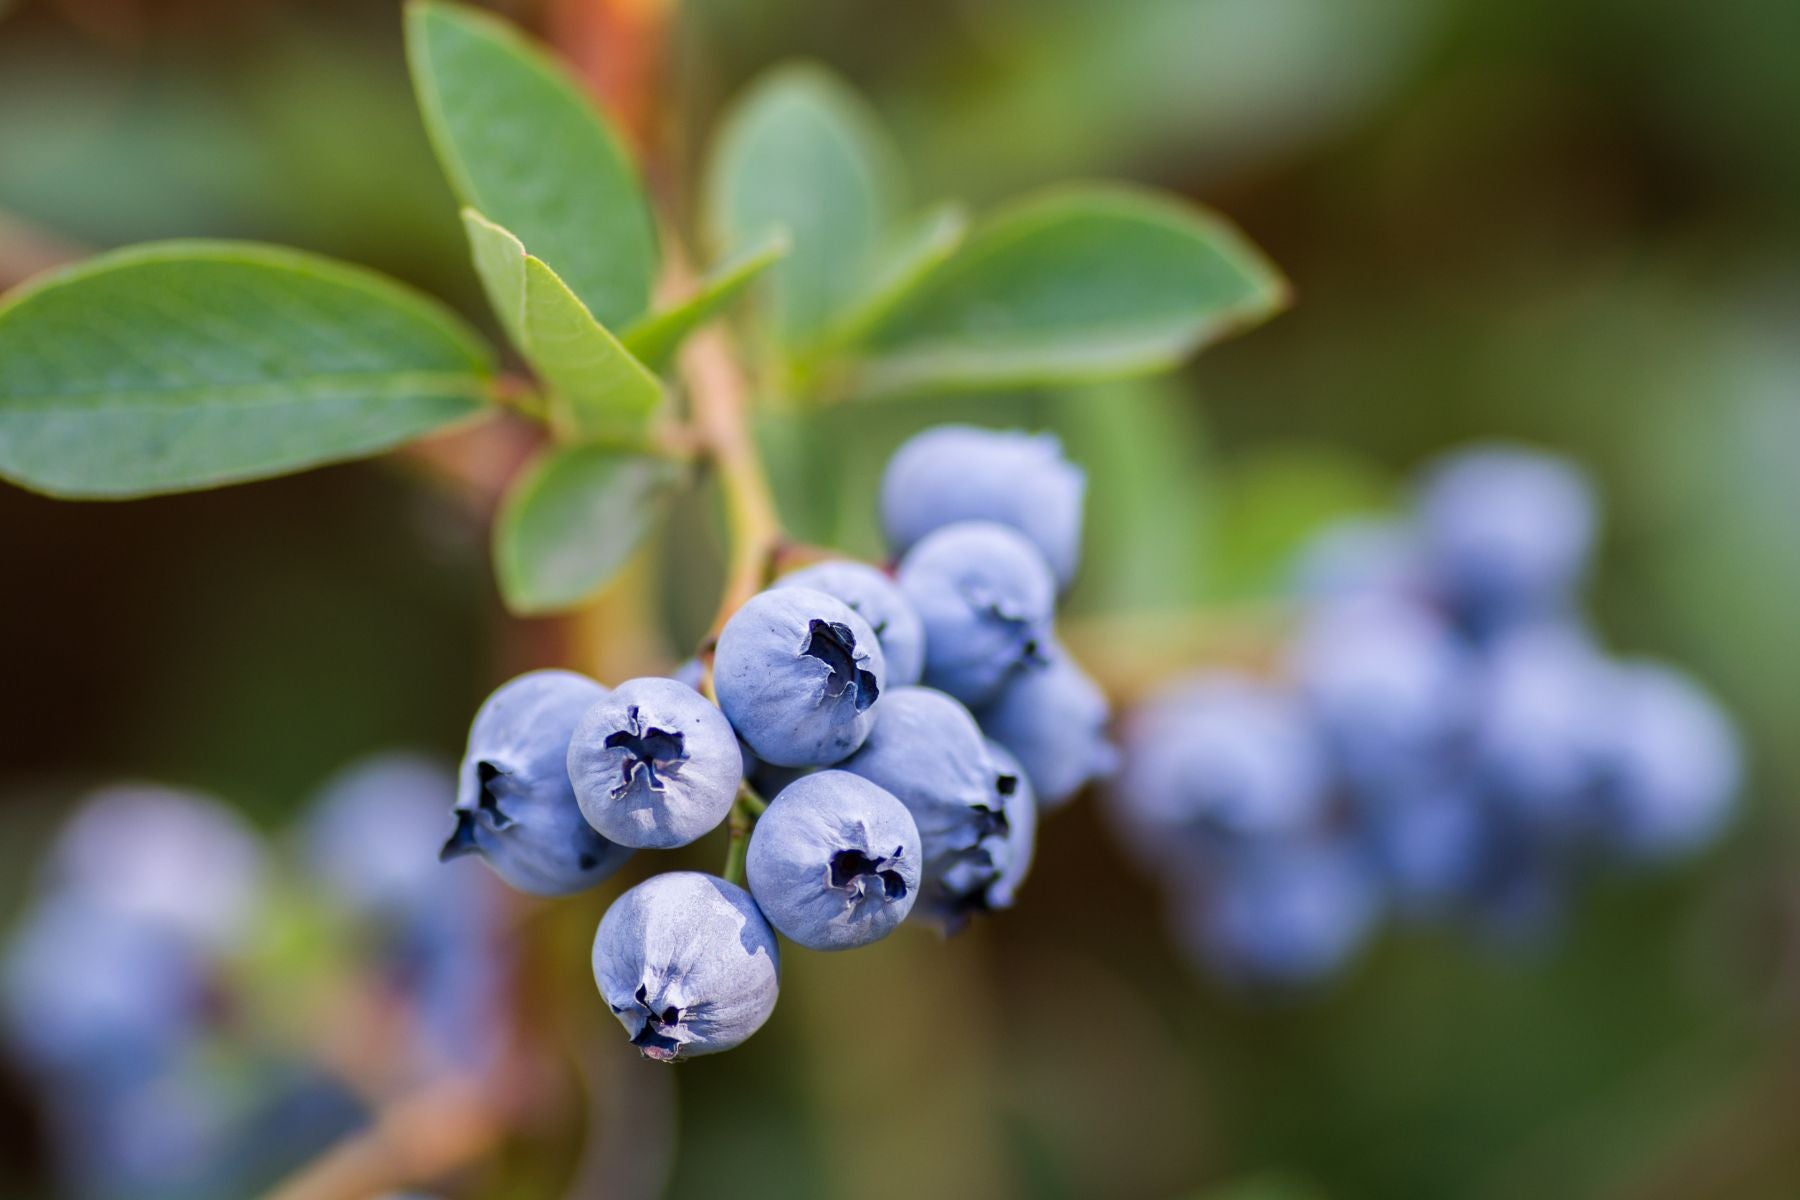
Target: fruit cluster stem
744, 810
720, 398
419, 1138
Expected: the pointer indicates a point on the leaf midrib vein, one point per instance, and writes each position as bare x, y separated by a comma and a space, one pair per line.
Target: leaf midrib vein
269, 393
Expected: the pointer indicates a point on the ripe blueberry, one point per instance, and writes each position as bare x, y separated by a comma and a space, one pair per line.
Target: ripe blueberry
878, 600
834, 862
515, 805
1388, 682
961, 473
1432, 839
1018, 842
433, 934
799, 673
182, 861
654, 764
369, 834
688, 965
1542, 714
1282, 914
1523, 891
928, 752
1670, 764
1054, 720
1507, 531
1215, 761
98, 994
986, 600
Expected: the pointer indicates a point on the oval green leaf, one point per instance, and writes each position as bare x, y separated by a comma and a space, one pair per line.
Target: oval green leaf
183, 365
598, 389
802, 152
572, 520
520, 141
1081, 283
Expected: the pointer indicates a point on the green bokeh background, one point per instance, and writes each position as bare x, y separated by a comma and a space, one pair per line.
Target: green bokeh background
1569, 221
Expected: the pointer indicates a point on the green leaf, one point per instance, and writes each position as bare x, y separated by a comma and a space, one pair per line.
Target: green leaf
1080, 283
597, 388
184, 365
521, 142
802, 152
907, 256
655, 338
572, 520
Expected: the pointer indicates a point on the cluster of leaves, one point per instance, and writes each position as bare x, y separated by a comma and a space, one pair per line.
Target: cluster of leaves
184, 365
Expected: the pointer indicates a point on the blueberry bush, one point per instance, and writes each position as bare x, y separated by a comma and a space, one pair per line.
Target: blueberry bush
1405, 716
831, 718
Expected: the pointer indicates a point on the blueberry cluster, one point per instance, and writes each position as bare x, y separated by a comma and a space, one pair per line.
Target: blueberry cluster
1444, 739
141, 993
906, 727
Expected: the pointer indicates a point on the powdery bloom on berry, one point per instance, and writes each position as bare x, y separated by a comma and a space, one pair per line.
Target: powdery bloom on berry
688, 965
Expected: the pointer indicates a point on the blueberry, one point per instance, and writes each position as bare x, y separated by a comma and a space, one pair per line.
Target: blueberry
433, 933
986, 878
1358, 556
515, 805
688, 964
1012, 849
172, 1136
654, 764
1670, 765
1214, 761
1282, 914
1388, 682
986, 600
961, 473
1054, 719
928, 752
179, 860
834, 862
799, 673
1523, 892
1433, 841
369, 833
1542, 715
877, 599
98, 993
1507, 531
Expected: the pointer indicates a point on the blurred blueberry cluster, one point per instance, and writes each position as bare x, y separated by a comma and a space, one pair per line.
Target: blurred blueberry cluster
906, 727
163, 993
1444, 739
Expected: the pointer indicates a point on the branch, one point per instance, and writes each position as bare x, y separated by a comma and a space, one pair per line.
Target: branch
720, 398
413, 1141
28, 249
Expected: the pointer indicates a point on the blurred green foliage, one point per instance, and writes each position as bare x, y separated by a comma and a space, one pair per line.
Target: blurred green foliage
1572, 223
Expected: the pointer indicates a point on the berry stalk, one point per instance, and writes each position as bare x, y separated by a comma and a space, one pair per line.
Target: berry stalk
424, 1136
720, 399
744, 812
